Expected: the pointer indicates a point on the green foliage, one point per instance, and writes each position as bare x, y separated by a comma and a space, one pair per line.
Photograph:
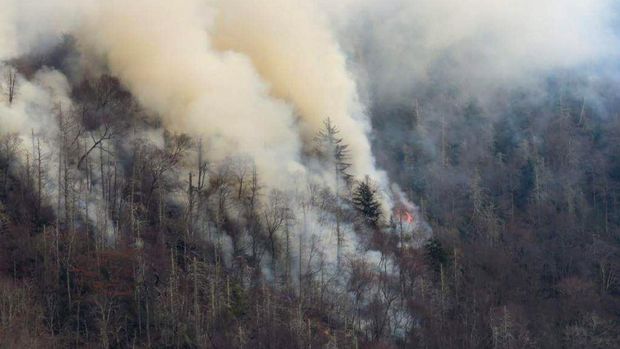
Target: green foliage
436, 255
365, 202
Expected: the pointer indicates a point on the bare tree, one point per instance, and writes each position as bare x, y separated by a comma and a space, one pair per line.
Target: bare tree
9, 146
274, 215
11, 84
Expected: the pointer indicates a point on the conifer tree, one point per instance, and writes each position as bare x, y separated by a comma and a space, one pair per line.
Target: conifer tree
365, 201
330, 147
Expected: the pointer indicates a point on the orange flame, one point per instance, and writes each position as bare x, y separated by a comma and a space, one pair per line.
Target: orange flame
405, 216
408, 217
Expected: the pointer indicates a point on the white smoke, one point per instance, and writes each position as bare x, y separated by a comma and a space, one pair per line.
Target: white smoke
258, 78
255, 78
474, 45
7, 34
32, 110
291, 45
33, 26
32, 117
160, 50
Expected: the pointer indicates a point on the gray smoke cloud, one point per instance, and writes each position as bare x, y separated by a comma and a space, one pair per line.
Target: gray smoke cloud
259, 77
474, 45
254, 78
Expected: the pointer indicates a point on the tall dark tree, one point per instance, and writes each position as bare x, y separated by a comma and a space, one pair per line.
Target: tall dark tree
331, 148
366, 203
11, 84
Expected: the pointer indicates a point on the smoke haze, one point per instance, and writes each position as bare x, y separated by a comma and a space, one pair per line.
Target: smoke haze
252, 78
258, 78
174, 161
475, 45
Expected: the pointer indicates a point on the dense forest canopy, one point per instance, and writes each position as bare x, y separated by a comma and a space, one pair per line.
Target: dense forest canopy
309, 174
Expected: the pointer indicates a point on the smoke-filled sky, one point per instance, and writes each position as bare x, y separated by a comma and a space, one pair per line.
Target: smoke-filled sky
474, 43
251, 77
259, 77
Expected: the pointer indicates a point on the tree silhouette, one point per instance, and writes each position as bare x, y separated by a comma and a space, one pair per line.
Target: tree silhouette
365, 202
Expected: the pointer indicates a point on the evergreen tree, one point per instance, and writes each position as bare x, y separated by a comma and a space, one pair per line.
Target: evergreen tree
331, 148
436, 254
365, 201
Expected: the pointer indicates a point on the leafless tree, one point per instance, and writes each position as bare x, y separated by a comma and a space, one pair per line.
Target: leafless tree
11, 84
274, 216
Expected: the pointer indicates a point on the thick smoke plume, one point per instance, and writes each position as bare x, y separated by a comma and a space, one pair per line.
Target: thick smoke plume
291, 46
255, 78
161, 51
258, 78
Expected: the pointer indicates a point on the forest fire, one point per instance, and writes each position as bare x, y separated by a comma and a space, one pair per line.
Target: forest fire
227, 173
408, 217
403, 215
404, 210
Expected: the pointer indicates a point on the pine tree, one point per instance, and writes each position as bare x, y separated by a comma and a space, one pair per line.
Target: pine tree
365, 201
330, 147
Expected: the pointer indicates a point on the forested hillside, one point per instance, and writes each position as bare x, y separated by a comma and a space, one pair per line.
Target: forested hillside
524, 209
148, 244
298, 174
111, 239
